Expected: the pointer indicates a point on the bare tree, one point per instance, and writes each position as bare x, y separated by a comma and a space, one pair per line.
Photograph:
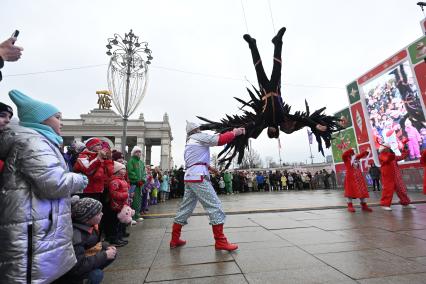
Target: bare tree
214, 161
251, 159
268, 161
274, 164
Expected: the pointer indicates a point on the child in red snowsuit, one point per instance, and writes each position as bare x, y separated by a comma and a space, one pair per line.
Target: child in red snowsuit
355, 186
392, 178
118, 195
97, 165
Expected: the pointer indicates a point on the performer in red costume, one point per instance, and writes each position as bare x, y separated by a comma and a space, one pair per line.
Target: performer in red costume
392, 178
355, 186
423, 163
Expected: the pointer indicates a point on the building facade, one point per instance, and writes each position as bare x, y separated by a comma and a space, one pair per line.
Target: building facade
107, 125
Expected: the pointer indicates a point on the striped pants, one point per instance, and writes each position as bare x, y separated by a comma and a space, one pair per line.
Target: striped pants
204, 192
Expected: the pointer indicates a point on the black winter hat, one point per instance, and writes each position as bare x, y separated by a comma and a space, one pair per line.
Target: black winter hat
6, 108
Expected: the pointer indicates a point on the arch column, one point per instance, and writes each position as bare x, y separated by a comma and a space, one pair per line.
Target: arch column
148, 154
140, 141
118, 143
165, 154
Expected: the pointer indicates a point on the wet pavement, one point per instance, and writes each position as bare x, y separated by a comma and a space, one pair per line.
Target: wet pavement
278, 202
292, 244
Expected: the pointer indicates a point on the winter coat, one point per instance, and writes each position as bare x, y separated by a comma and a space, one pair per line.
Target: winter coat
35, 213
374, 172
118, 193
283, 181
84, 238
355, 185
260, 179
151, 184
165, 184
227, 177
136, 170
391, 175
98, 172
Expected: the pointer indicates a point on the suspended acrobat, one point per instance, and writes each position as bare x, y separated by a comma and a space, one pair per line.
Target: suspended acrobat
269, 110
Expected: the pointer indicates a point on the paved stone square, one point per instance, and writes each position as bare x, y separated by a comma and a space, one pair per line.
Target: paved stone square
294, 245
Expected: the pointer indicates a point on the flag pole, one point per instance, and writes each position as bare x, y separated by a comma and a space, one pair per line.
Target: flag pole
310, 148
312, 157
279, 150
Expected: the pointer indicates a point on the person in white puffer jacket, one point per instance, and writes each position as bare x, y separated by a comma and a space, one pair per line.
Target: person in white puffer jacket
35, 191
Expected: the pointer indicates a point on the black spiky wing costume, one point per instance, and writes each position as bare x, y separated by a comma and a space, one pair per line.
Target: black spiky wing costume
254, 123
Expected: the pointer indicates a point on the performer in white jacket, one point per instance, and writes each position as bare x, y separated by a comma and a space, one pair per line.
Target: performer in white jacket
198, 185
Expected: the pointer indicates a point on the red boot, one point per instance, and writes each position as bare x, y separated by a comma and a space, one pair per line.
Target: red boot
176, 241
365, 207
351, 207
221, 241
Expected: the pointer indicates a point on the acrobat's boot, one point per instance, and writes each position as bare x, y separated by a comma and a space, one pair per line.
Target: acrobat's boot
221, 241
365, 207
279, 37
249, 39
351, 207
176, 241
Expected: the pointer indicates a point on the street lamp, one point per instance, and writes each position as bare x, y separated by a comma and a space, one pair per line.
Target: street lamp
127, 75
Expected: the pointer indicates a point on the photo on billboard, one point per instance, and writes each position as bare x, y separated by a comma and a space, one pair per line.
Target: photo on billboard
342, 141
353, 92
395, 111
345, 118
417, 51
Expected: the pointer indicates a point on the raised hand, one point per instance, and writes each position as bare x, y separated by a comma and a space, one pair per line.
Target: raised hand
10, 52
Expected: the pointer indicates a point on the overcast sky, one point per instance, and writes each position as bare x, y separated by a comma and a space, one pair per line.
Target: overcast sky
200, 59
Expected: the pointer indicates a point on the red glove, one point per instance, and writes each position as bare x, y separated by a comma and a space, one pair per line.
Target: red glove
140, 183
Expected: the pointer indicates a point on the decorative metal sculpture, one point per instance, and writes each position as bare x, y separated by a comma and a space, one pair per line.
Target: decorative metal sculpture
104, 99
127, 75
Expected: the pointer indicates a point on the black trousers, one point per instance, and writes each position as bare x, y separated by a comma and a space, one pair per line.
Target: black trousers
273, 110
376, 182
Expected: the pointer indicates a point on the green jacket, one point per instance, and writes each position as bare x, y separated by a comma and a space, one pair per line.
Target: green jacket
136, 170
227, 177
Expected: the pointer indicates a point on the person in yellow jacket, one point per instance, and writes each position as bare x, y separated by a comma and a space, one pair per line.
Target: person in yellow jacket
284, 182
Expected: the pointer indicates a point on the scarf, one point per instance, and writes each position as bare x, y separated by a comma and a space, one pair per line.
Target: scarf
44, 130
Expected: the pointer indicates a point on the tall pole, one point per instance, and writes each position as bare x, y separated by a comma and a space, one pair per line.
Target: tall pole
279, 150
250, 156
310, 151
126, 104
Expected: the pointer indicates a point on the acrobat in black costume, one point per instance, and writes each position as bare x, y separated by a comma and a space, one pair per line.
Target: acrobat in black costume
266, 109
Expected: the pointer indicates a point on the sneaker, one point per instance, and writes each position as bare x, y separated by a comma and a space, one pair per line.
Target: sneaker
133, 223
409, 206
139, 219
386, 208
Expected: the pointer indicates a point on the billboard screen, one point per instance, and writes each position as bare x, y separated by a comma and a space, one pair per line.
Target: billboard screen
395, 111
